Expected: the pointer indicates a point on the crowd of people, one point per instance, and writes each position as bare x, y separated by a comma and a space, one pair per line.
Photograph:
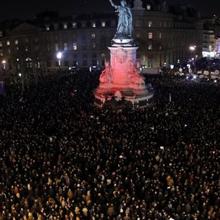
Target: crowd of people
62, 158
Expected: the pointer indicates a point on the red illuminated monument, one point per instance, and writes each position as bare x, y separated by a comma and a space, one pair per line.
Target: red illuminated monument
121, 78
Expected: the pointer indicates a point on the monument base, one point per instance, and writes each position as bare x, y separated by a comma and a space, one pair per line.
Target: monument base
137, 98
121, 80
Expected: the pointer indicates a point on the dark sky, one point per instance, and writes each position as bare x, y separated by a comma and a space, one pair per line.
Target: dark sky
28, 8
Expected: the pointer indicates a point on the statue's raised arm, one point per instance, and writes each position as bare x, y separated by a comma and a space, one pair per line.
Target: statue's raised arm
113, 5
125, 20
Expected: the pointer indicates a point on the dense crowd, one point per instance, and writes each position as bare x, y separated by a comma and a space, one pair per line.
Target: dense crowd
62, 158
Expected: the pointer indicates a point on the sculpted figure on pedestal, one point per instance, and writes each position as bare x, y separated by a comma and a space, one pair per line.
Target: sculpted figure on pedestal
106, 77
135, 77
125, 19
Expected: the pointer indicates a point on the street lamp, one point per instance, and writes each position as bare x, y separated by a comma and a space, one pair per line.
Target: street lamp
192, 48
22, 82
4, 62
59, 57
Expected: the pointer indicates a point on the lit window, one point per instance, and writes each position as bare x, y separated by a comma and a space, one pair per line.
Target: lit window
26, 49
1, 54
160, 35
93, 24
75, 46
103, 24
93, 35
148, 7
65, 46
149, 24
8, 43
149, 46
65, 26
94, 45
150, 35
74, 24
1, 44
47, 28
16, 42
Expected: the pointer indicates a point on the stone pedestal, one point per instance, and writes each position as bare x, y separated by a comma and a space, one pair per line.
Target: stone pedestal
121, 79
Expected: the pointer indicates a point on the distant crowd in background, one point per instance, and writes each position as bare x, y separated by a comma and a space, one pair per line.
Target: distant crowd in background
62, 158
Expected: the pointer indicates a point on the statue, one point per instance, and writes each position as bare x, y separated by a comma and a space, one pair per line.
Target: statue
105, 77
125, 19
134, 76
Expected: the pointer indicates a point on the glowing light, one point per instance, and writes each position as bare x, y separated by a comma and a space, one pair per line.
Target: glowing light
194, 76
28, 59
192, 47
59, 55
4, 64
208, 54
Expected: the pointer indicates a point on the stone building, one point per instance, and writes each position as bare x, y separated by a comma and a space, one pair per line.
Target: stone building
163, 34
211, 37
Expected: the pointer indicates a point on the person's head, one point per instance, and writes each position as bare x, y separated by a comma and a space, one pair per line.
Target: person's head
123, 3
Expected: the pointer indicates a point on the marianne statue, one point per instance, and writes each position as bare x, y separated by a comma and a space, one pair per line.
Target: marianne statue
125, 19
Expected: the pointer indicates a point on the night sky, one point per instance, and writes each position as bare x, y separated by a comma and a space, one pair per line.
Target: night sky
28, 8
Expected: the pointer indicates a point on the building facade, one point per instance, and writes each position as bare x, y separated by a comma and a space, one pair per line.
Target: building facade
165, 38
163, 35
